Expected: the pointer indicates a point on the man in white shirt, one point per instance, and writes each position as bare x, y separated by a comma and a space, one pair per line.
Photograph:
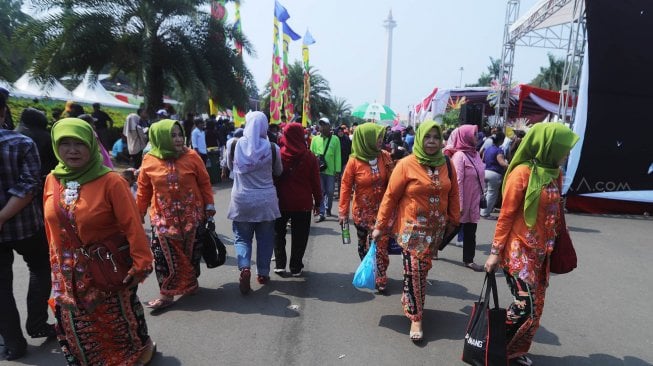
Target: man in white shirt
198, 138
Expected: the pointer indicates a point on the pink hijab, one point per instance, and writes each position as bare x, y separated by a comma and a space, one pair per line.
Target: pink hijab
463, 139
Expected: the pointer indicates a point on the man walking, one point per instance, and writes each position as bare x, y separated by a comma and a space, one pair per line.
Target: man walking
102, 124
21, 230
198, 139
327, 148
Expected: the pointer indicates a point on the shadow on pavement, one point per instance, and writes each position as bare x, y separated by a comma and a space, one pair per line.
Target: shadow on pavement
229, 300
328, 287
592, 360
437, 324
449, 289
582, 230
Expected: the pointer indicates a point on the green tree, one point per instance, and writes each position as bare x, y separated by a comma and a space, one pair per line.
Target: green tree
320, 91
15, 53
160, 42
550, 77
493, 73
339, 110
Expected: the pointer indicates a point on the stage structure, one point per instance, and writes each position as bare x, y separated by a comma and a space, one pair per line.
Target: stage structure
552, 24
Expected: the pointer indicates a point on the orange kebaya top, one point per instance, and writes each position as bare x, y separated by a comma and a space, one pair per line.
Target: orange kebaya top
425, 200
105, 207
178, 191
523, 250
368, 187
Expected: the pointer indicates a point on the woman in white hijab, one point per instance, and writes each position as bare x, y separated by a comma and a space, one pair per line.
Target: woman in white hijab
254, 205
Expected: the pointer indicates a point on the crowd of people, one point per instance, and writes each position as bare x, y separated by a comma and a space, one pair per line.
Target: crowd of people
410, 188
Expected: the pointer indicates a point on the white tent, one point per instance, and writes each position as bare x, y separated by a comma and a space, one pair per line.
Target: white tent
94, 92
27, 86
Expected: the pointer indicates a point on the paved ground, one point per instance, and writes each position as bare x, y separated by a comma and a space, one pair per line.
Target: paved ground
595, 315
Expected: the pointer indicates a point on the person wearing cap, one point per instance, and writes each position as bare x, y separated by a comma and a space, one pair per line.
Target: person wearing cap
324, 145
102, 123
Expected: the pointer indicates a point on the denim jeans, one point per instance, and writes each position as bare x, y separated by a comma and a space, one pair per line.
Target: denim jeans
328, 183
244, 233
493, 187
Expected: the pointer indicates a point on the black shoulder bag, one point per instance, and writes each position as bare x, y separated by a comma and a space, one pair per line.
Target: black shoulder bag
321, 159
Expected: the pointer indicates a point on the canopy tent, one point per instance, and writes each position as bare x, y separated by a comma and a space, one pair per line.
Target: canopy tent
28, 87
526, 102
92, 91
558, 17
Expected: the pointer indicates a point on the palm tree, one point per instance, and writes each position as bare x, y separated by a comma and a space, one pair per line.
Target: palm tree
320, 91
14, 52
154, 40
340, 109
550, 77
493, 73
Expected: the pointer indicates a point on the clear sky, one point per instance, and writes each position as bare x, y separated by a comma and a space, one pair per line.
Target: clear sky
432, 41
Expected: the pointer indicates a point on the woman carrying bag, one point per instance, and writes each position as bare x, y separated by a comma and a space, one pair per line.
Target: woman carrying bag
174, 182
526, 229
85, 204
427, 208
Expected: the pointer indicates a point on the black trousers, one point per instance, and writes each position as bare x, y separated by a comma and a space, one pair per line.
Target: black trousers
36, 254
469, 241
300, 227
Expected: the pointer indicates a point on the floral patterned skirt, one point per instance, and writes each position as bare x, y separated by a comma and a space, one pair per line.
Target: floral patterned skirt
114, 333
176, 263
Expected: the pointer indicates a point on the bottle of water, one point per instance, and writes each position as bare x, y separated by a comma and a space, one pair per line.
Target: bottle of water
346, 238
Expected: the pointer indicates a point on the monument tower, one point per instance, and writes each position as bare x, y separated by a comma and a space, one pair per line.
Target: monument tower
389, 24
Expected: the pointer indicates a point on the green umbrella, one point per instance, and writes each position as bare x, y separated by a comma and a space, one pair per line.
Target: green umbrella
374, 111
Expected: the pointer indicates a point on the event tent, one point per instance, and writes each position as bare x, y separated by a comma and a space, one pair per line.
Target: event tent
92, 91
28, 87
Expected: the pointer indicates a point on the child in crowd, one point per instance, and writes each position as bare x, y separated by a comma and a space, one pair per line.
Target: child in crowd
131, 176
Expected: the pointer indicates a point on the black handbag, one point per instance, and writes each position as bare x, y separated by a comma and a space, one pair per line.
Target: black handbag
214, 252
485, 336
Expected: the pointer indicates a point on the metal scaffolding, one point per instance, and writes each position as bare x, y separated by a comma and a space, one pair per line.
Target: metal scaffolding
533, 32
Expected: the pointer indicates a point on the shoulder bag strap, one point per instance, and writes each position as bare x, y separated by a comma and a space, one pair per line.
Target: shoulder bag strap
448, 161
327, 146
476, 171
62, 216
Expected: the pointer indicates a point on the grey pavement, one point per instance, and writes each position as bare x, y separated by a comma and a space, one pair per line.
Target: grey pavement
595, 315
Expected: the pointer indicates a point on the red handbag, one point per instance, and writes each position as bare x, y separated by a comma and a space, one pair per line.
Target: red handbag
563, 257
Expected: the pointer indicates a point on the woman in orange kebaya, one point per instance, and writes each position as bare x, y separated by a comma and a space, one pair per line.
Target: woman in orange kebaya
174, 181
94, 327
426, 204
366, 176
526, 230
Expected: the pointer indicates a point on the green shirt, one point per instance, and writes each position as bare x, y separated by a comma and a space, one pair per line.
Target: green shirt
332, 156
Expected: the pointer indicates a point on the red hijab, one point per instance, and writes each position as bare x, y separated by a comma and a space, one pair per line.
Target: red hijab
293, 144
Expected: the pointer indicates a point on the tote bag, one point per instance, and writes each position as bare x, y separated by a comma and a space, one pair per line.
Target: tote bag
485, 336
563, 258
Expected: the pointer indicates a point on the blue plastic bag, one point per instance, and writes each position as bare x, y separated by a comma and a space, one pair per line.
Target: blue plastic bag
365, 276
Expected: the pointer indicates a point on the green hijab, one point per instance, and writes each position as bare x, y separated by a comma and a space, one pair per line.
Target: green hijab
363, 146
80, 130
542, 148
161, 139
423, 158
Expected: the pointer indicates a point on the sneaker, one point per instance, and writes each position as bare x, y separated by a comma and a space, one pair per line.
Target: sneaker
262, 280
458, 244
279, 271
245, 275
522, 361
297, 274
319, 218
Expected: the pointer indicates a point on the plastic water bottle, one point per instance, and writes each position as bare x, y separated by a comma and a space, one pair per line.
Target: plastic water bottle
346, 238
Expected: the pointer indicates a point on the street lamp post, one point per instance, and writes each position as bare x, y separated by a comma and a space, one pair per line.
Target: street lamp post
460, 84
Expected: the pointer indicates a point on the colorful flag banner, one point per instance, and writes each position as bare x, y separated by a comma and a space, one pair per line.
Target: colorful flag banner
276, 100
218, 10
288, 107
239, 29
306, 107
239, 117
